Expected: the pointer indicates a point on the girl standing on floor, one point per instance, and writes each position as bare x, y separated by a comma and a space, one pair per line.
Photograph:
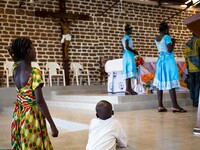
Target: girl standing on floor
166, 76
28, 129
129, 66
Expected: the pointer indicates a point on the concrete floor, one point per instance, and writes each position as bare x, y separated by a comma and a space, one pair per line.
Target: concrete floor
146, 129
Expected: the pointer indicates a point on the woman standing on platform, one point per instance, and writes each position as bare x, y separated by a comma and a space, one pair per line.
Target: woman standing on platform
129, 65
166, 76
28, 129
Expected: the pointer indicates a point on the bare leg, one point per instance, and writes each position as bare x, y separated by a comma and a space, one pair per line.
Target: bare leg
160, 97
128, 85
174, 99
161, 108
176, 107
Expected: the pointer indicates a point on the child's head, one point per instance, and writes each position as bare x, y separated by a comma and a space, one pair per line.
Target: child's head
22, 48
104, 110
128, 29
163, 27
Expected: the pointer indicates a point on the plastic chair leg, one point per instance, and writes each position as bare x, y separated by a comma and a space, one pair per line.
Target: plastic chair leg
50, 81
77, 80
63, 80
73, 80
7, 80
81, 81
57, 81
88, 80
43, 76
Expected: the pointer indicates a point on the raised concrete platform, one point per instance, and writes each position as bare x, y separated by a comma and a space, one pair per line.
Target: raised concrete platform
120, 102
86, 97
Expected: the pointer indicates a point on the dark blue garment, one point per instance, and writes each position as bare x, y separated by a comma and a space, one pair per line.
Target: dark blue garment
194, 80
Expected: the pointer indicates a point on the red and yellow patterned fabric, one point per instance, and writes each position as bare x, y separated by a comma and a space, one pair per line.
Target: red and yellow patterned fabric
28, 129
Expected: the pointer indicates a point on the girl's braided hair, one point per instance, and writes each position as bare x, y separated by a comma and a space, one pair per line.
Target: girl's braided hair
19, 48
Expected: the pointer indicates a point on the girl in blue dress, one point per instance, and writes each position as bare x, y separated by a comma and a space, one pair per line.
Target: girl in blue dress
129, 65
166, 76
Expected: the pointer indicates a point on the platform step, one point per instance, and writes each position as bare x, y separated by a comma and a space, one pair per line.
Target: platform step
69, 90
86, 97
94, 98
119, 102
75, 105
148, 105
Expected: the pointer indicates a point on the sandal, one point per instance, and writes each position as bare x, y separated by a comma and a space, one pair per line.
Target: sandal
162, 109
180, 110
128, 93
134, 93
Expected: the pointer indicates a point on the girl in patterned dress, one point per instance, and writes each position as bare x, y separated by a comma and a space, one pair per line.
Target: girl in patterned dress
166, 76
28, 129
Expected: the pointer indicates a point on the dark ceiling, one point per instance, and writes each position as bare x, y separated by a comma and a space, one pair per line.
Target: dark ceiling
174, 2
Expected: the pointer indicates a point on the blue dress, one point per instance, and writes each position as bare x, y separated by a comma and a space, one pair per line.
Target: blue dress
129, 65
166, 75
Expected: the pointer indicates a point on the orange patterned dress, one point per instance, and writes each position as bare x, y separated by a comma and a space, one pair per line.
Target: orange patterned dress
28, 129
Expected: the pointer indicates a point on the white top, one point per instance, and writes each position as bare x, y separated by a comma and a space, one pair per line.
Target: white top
162, 44
104, 134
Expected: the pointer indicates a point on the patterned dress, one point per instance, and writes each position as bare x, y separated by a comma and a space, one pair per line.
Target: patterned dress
28, 129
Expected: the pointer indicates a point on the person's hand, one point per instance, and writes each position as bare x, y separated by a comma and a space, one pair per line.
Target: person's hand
54, 131
136, 53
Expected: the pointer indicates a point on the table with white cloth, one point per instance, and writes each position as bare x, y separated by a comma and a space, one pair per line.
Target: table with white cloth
116, 83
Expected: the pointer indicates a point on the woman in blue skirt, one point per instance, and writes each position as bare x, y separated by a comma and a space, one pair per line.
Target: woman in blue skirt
166, 76
129, 65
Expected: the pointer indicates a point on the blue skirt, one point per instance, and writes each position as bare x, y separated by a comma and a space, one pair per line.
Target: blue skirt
166, 75
129, 65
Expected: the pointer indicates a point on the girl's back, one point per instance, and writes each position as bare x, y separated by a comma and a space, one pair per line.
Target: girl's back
21, 75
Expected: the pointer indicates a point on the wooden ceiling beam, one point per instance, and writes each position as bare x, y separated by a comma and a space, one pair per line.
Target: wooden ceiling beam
61, 15
175, 2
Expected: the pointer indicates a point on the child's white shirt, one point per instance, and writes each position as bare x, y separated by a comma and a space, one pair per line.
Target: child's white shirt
103, 135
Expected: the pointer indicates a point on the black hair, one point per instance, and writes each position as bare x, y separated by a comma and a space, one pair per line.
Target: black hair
128, 27
104, 109
163, 27
19, 48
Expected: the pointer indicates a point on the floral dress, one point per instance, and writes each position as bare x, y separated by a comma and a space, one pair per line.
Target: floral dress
28, 129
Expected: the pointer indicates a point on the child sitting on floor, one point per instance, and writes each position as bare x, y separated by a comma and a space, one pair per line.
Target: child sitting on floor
105, 131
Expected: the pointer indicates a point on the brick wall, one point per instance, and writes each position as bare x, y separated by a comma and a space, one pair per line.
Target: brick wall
92, 40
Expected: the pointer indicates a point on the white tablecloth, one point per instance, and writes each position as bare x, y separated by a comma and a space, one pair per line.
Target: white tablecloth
113, 65
116, 83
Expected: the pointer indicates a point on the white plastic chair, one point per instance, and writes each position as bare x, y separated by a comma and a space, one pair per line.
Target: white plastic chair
53, 68
8, 65
36, 65
78, 70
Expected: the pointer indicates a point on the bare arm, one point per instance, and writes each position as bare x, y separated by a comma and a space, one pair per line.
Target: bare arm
122, 139
171, 46
130, 49
45, 111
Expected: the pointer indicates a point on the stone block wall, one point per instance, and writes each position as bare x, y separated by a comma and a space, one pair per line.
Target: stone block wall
91, 40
